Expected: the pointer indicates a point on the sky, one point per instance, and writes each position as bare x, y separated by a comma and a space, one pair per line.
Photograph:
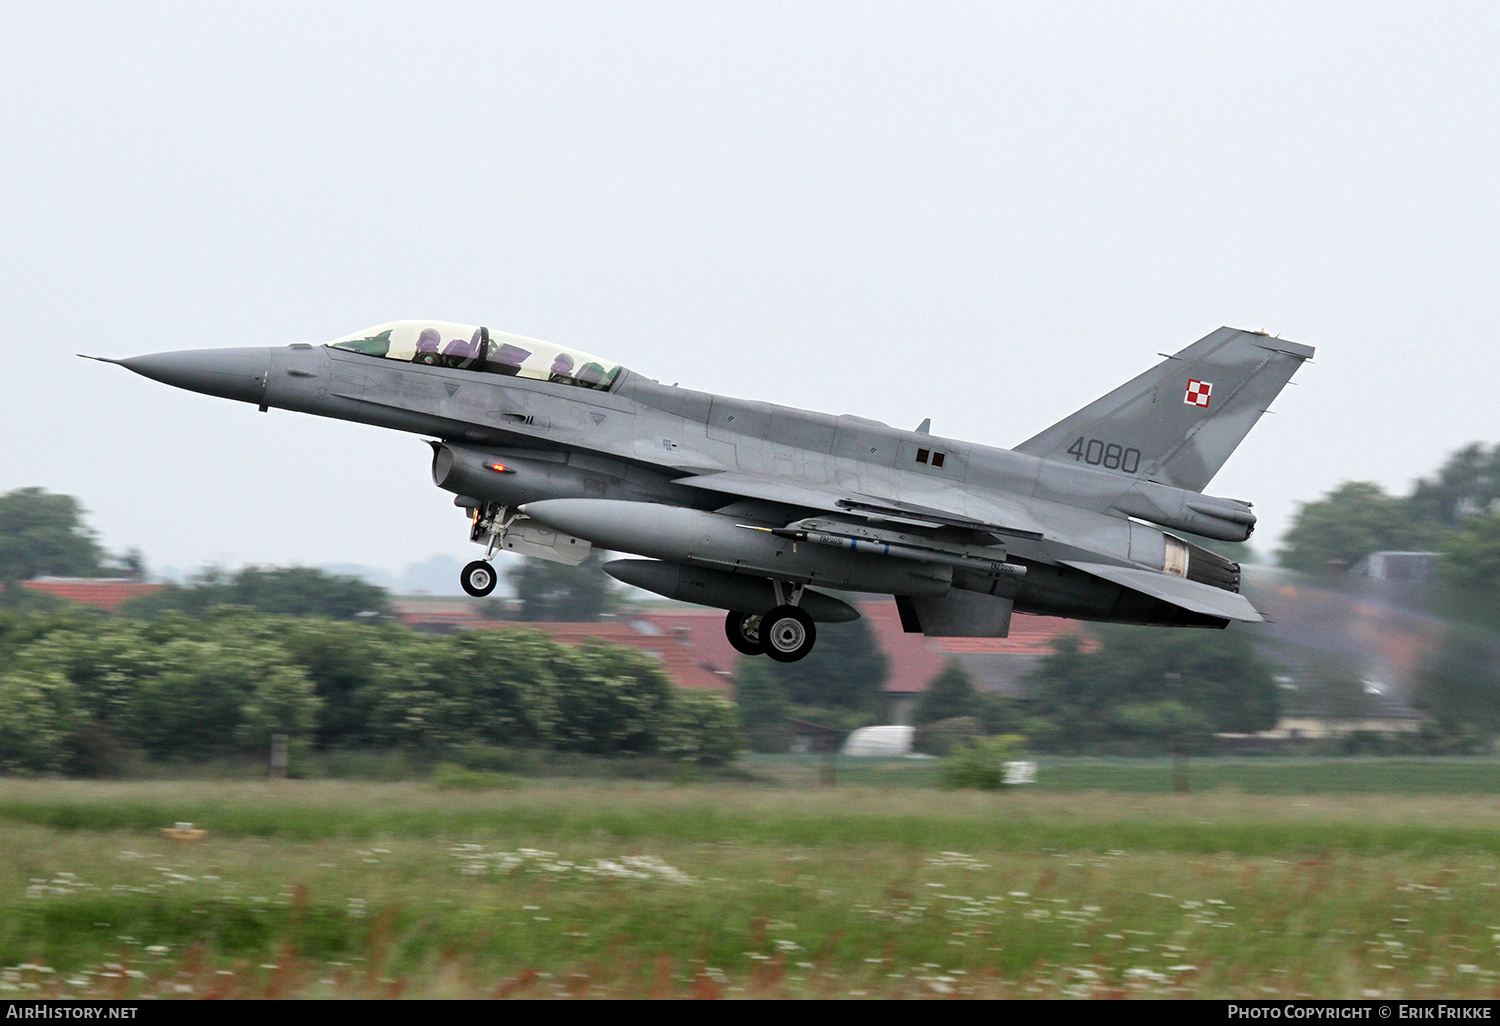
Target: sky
988, 214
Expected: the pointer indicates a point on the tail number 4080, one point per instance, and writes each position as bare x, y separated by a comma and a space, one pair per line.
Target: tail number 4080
1109, 455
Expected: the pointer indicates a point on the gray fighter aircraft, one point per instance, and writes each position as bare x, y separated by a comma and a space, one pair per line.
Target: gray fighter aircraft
747, 506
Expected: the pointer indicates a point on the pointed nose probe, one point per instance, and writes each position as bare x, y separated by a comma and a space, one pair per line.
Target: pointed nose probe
227, 373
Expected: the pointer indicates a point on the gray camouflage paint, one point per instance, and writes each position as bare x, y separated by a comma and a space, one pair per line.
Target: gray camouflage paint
703, 480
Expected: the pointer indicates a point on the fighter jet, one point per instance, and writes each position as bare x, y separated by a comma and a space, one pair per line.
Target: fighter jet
752, 508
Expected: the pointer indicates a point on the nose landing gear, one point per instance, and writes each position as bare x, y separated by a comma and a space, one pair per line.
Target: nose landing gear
478, 578
490, 523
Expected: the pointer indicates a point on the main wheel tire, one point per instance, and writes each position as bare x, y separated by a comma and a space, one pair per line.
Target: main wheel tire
478, 578
743, 632
788, 634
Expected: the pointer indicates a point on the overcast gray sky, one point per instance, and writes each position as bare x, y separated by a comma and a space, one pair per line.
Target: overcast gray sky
988, 214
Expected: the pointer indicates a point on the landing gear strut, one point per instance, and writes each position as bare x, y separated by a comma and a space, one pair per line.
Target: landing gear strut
489, 524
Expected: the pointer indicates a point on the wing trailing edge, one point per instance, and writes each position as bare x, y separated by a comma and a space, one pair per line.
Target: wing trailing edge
1176, 591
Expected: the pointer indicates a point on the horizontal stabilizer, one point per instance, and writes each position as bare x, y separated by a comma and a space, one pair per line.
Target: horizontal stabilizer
1176, 591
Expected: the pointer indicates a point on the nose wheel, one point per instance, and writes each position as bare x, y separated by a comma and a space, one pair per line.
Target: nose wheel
787, 633
478, 578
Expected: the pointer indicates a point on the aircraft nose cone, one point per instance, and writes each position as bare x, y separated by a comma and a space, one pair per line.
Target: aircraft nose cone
228, 373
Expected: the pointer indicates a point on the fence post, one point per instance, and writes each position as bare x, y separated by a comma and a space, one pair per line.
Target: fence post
278, 756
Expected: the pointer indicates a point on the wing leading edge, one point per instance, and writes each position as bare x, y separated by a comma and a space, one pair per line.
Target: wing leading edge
750, 486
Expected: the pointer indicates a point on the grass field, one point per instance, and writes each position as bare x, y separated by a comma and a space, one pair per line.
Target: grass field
1258, 775
307, 888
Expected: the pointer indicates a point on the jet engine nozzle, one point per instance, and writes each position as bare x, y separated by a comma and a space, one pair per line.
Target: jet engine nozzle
228, 373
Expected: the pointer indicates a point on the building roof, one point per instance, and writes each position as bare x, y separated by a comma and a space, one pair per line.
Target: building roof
675, 650
104, 592
995, 664
694, 649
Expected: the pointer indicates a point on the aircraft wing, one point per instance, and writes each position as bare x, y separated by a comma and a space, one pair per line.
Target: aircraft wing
772, 490
1177, 591
891, 509
749, 486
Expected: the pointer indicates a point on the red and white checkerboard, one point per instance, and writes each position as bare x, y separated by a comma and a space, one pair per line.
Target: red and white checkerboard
1198, 392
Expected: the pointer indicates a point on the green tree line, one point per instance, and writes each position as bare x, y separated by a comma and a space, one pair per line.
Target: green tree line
79, 691
1455, 512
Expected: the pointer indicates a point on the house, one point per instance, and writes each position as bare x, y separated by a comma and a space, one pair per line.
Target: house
696, 653
1313, 717
107, 593
992, 664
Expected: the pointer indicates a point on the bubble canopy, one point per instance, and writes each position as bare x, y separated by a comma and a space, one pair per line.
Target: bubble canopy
473, 347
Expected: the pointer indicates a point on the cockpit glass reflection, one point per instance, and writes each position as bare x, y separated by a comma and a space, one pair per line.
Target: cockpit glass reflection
472, 347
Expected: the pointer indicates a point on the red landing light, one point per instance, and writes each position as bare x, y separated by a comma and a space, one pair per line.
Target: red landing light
500, 468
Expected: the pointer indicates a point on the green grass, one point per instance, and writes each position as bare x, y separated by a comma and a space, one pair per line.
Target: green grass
631, 890
1004, 822
1272, 776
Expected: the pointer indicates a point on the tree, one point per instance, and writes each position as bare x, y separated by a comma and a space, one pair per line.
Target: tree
350, 666
611, 700
1146, 682
37, 715
44, 534
1465, 486
1471, 554
949, 694
1460, 685
1470, 570
290, 590
180, 688
839, 685
1349, 523
761, 701
845, 670
558, 593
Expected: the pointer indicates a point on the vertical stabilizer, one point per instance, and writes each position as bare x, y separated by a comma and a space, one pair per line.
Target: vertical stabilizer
1179, 421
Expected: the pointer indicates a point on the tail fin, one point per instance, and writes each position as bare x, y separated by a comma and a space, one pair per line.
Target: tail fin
1178, 422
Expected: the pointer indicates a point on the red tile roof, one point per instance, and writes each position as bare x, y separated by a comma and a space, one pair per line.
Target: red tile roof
104, 592
694, 650
916, 659
683, 663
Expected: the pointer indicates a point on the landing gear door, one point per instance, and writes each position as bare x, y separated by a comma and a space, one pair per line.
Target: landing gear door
528, 538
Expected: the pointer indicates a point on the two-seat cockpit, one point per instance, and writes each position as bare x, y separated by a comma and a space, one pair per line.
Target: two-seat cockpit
472, 347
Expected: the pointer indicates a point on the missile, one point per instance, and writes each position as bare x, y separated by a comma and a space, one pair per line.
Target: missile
698, 538
720, 589
919, 553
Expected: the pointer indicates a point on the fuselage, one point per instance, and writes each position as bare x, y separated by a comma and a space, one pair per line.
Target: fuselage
740, 504
634, 442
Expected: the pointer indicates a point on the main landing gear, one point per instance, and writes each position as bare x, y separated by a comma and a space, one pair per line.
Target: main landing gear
490, 521
786, 633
